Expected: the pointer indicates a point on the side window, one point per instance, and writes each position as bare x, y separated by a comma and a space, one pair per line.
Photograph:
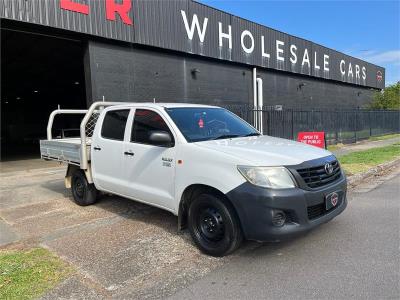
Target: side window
144, 123
114, 124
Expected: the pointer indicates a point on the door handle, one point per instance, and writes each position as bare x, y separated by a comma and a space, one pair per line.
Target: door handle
96, 148
130, 153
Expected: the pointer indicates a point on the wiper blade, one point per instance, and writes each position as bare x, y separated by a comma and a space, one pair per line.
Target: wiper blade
226, 136
253, 134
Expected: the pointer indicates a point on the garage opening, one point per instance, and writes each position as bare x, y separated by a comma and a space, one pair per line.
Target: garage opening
39, 73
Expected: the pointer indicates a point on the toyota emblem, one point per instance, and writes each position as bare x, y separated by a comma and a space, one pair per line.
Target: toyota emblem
334, 199
328, 168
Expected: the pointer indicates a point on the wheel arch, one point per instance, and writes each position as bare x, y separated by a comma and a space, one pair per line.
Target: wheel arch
73, 168
190, 193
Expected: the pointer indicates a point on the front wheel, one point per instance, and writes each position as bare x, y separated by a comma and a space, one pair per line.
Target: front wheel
83, 192
213, 225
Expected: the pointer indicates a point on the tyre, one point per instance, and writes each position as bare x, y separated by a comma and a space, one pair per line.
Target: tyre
83, 192
214, 225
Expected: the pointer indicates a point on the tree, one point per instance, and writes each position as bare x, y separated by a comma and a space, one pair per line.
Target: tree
389, 98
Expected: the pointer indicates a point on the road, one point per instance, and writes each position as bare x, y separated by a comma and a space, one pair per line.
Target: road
121, 249
356, 256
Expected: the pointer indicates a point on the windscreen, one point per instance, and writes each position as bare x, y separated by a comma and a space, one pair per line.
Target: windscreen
203, 124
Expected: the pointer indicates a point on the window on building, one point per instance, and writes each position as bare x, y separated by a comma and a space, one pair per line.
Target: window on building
114, 124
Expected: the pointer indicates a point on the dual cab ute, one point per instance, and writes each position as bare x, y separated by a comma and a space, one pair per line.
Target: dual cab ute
224, 180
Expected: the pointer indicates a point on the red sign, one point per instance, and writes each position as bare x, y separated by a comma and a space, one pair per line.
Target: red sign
379, 76
312, 138
112, 8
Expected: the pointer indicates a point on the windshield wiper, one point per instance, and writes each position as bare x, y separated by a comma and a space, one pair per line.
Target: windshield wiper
226, 136
253, 134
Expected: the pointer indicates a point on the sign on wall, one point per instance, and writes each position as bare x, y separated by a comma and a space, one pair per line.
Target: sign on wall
191, 27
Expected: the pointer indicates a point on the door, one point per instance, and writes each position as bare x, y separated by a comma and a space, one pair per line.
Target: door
107, 151
150, 169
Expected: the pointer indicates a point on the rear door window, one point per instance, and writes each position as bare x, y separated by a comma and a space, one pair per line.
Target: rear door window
114, 124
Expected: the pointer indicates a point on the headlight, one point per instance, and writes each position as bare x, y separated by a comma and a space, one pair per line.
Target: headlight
269, 177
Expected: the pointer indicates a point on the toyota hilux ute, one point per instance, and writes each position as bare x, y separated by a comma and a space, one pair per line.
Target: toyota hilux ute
224, 180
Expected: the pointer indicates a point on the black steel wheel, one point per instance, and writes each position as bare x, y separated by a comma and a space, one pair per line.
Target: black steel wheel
213, 225
83, 192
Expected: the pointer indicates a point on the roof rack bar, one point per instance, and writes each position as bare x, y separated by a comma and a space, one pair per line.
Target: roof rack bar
58, 112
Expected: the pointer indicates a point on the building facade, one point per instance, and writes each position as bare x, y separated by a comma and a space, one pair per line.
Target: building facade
74, 52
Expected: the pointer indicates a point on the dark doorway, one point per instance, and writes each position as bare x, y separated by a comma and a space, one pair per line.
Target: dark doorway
38, 73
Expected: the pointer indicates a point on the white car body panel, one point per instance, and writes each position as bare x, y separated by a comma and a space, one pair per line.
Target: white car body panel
266, 150
149, 174
207, 167
144, 178
106, 171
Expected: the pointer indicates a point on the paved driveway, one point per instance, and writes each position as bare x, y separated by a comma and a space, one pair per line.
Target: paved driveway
123, 249
120, 248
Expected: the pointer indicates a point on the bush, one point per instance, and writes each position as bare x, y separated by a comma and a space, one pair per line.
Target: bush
389, 98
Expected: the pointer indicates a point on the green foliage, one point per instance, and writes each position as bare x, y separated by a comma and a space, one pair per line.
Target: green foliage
28, 274
361, 161
384, 137
389, 98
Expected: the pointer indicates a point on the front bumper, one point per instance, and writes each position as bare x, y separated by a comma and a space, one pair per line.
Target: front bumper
304, 209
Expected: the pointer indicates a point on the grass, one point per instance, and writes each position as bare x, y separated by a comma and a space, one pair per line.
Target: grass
372, 138
361, 161
384, 137
334, 147
29, 273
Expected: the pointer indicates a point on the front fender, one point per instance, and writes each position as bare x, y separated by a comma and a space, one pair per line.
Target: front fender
221, 179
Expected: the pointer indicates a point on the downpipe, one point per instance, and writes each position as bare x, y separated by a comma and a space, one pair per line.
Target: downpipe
260, 104
255, 113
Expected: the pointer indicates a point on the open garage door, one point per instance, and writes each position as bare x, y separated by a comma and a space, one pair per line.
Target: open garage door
39, 72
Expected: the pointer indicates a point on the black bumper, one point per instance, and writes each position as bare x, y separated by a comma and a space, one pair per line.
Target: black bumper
304, 209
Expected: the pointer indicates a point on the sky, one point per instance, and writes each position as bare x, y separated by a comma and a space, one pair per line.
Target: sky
369, 30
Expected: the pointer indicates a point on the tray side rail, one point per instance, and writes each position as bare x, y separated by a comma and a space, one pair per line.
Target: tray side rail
86, 127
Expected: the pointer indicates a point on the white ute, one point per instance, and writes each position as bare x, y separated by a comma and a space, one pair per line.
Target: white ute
224, 180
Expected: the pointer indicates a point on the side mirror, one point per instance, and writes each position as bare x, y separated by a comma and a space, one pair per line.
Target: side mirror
160, 138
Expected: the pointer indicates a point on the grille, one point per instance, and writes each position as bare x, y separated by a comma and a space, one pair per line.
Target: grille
290, 217
316, 176
316, 211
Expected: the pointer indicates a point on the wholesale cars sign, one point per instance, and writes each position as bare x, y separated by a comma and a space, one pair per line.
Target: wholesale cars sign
237, 39
191, 27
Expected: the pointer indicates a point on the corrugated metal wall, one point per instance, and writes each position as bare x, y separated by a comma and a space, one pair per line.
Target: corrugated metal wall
129, 74
49, 13
121, 73
160, 23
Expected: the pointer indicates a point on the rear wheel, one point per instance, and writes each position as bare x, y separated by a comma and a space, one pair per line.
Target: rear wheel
213, 225
83, 192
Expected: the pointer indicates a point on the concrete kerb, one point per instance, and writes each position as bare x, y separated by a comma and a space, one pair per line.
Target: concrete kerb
354, 180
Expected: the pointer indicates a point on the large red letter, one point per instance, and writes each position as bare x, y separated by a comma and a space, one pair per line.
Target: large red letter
78, 7
122, 9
